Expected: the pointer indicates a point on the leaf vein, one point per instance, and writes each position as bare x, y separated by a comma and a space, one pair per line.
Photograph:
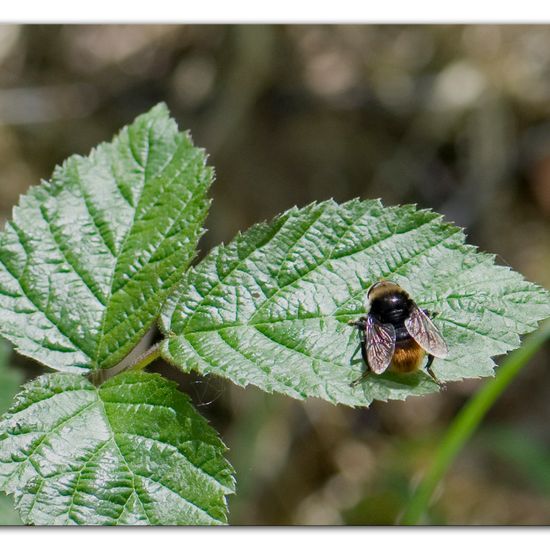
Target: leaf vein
74, 265
210, 477
27, 295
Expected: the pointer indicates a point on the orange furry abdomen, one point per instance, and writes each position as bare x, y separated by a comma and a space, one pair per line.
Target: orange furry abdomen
408, 357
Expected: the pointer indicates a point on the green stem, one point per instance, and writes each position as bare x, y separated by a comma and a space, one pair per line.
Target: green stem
146, 358
467, 421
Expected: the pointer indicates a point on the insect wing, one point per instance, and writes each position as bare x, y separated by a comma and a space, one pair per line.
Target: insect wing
426, 334
380, 344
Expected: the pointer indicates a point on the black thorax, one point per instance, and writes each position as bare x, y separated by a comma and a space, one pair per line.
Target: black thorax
393, 308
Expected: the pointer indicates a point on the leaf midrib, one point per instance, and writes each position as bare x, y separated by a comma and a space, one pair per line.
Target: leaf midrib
330, 315
99, 402
134, 475
125, 239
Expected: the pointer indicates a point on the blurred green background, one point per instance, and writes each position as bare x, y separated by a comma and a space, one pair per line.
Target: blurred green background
454, 118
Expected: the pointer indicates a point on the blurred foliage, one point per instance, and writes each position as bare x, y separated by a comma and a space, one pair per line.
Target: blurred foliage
455, 118
466, 422
10, 379
515, 446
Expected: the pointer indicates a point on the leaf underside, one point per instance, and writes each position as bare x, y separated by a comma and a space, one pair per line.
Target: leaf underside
133, 452
90, 256
271, 308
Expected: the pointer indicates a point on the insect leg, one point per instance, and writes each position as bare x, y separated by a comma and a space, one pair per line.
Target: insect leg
431, 314
431, 372
360, 379
429, 363
364, 349
361, 323
363, 335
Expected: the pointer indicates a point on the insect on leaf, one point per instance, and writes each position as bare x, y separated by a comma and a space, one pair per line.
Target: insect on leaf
271, 308
90, 255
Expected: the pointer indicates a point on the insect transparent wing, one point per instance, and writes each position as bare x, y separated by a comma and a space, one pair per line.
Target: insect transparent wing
380, 345
426, 334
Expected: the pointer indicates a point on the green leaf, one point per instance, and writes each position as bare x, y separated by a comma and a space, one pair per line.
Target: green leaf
90, 256
134, 451
271, 308
10, 380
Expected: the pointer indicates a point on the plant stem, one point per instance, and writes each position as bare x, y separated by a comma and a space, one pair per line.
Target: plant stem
146, 358
467, 421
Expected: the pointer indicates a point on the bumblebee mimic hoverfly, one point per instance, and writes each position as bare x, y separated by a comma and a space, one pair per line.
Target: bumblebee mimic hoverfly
396, 333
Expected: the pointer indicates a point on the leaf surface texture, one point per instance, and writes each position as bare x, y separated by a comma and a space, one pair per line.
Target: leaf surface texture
90, 255
271, 308
133, 452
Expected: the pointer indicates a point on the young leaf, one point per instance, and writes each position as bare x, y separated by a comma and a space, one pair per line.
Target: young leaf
271, 308
132, 452
90, 256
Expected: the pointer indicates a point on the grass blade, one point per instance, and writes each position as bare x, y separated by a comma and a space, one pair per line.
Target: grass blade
466, 423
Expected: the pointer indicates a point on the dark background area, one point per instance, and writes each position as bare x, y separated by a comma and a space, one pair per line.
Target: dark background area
454, 118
